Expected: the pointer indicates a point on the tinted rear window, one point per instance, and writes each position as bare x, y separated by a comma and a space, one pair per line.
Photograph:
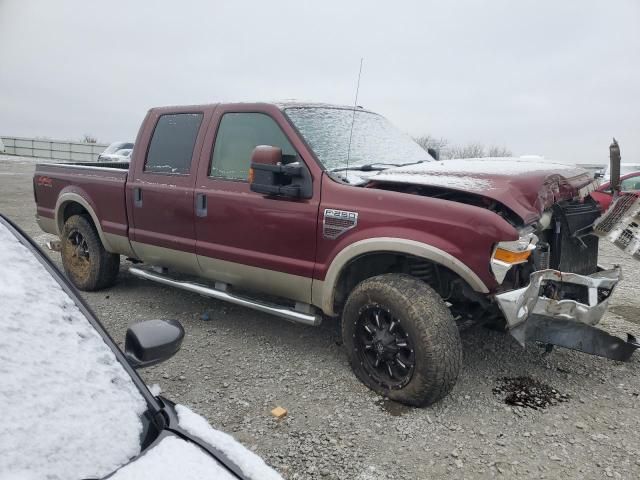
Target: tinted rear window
172, 143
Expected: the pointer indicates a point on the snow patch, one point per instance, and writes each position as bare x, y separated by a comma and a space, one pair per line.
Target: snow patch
173, 459
250, 464
459, 182
69, 409
489, 166
155, 389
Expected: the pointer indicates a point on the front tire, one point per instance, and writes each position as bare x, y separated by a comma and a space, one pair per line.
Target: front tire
401, 339
87, 264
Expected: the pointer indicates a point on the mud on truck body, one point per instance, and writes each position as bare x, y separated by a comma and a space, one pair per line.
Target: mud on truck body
330, 211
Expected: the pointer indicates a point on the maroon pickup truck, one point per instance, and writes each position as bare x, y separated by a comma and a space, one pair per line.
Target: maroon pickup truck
312, 210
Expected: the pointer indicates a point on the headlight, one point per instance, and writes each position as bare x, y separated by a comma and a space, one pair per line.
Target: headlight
507, 254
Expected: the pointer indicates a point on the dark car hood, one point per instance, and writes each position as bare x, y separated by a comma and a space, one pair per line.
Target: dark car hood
527, 187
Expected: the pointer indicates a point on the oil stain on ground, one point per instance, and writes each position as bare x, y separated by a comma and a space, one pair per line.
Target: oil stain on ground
527, 392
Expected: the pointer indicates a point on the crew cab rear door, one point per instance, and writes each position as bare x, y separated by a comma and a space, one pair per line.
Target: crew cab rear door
160, 196
244, 238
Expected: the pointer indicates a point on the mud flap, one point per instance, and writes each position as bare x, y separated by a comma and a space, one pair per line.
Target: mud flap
575, 336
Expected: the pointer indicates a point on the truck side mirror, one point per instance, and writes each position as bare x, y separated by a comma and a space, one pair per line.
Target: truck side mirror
269, 176
153, 341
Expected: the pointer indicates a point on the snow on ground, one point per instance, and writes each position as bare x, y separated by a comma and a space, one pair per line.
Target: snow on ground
174, 459
69, 409
250, 464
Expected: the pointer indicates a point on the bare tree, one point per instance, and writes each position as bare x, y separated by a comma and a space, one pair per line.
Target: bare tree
495, 151
471, 150
88, 138
428, 141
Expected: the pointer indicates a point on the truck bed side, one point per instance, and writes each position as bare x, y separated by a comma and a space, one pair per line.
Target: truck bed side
62, 190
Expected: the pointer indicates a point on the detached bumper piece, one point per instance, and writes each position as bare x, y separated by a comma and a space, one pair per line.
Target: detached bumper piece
561, 309
576, 336
621, 224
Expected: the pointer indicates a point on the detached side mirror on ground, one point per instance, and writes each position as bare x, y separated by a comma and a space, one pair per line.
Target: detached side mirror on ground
153, 341
270, 176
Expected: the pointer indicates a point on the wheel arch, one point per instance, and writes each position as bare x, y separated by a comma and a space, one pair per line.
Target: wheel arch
71, 203
375, 251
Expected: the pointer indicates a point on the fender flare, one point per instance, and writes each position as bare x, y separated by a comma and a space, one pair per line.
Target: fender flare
72, 197
326, 289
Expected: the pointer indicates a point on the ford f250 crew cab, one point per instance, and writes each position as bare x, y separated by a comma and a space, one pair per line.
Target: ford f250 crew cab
330, 211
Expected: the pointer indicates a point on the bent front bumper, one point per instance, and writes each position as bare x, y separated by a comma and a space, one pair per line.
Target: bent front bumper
561, 309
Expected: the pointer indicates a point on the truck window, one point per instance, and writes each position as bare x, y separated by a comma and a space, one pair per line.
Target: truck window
238, 134
172, 143
630, 184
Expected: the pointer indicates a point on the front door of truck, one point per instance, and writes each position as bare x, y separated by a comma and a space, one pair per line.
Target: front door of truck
245, 238
160, 189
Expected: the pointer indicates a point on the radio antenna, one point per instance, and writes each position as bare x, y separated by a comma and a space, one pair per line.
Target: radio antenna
353, 119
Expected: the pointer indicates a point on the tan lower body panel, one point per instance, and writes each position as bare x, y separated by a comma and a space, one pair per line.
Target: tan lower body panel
118, 244
261, 280
183, 262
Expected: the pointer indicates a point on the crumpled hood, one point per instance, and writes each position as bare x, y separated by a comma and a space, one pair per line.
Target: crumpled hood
527, 187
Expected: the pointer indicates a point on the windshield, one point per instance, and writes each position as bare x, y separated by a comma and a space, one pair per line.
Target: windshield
69, 408
375, 139
114, 147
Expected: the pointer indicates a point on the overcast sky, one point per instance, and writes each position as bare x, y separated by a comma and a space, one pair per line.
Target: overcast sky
554, 78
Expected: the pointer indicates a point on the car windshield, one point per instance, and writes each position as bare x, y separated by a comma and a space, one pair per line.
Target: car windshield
114, 147
69, 408
375, 140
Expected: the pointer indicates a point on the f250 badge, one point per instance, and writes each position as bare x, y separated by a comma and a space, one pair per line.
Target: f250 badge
337, 222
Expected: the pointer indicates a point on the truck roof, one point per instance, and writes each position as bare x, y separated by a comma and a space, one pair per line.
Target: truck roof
281, 104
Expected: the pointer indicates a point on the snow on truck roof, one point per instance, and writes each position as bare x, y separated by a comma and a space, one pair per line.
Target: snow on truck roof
281, 104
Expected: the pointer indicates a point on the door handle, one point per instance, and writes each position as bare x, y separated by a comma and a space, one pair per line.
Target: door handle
201, 205
137, 197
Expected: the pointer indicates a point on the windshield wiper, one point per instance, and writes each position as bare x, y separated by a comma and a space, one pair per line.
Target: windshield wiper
374, 167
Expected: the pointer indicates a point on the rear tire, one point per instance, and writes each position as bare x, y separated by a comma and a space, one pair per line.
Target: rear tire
401, 339
87, 264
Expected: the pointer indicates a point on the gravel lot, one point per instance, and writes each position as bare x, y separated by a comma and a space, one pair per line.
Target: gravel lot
238, 365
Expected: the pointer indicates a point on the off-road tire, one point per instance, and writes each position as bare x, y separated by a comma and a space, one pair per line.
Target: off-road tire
95, 271
426, 321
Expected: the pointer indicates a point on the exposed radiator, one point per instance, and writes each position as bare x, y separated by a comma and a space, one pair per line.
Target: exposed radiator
574, 248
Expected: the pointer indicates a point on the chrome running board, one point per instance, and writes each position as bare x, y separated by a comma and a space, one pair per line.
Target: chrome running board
218, 294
